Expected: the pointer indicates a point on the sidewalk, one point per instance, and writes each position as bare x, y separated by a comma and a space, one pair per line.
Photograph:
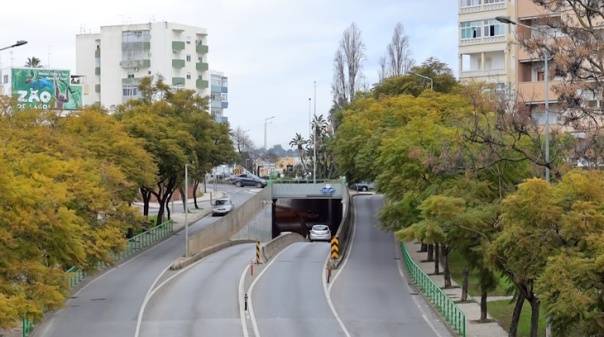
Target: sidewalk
470, 309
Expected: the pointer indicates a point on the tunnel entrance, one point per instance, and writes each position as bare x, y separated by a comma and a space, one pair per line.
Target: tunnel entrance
299, 215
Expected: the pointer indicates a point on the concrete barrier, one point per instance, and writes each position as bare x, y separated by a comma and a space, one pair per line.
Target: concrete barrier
345, 229
273, 247
183, 262
229, 225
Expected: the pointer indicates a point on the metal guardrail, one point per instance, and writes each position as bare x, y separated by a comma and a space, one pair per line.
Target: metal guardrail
135, 243
447, 308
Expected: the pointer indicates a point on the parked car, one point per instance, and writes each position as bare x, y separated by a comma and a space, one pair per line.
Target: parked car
245, 179
222, 206
319, 233
362, 186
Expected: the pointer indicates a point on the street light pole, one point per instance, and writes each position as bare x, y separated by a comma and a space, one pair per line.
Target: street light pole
187, 210
507, 20
266, 121
309, 120
314, 162
17, 44
424, 77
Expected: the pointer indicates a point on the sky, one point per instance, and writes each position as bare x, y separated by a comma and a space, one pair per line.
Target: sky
272, 51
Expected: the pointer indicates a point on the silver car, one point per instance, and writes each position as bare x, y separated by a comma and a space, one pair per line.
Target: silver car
319, 233
222, 206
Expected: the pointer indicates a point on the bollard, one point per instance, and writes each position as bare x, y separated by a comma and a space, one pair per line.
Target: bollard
252, 268
328, 273
257, 252
245, 302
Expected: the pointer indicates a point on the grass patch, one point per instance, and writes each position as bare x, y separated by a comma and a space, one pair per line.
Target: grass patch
456, 265
502, 312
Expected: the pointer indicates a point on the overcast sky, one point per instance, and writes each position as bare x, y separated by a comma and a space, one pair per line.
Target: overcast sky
271, 50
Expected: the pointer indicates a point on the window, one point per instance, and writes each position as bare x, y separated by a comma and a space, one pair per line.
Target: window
225, 82
130, 90
188, 58
188, 76
470, 30
188, 40
216, 80
130, 75
540, 76
493, 27
5, 79
224, 97
492, 1
470, 3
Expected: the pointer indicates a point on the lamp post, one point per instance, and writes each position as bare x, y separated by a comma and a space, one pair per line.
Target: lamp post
17, 44
309, 120
314, 162
187, 210
266, 121
507, 20
424, 77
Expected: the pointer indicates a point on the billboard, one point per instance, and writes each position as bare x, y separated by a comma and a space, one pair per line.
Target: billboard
45, 89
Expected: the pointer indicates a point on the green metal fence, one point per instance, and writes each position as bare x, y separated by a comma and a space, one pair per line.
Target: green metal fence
135, 243
447, 308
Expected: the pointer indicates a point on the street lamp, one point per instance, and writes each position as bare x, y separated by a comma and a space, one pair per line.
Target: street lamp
266, 121
314, 162
187, 210
424, 77
309, 120
508, 21
17, 44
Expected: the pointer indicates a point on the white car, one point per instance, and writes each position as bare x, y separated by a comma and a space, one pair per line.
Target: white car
222, 206
319, 233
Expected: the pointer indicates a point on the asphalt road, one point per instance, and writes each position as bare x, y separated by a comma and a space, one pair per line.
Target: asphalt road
370, 293
288, 298
202, 301
109, 305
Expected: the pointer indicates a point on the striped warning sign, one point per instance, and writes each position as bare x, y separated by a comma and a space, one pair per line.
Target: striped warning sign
257, 252
335, 249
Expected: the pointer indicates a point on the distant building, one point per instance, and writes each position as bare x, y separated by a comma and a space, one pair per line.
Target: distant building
219, 92
486, 53
114, 60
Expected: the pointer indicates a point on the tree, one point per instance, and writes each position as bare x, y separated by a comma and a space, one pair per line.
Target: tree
243, 142
299, 143
33, 62
398, 60
348, 65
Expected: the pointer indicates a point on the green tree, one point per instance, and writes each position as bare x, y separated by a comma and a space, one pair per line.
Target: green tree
33, 62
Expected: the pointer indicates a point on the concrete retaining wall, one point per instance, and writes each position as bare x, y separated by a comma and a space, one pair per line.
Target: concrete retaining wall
272, 248
345, 230
259, 228
231, 224
187, 261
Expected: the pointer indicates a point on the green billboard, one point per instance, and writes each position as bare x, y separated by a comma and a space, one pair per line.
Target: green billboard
45, 89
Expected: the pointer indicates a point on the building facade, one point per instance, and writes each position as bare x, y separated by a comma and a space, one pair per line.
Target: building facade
219, 94
485, 51
114, 60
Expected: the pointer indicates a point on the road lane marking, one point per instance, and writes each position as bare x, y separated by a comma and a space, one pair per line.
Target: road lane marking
242, 314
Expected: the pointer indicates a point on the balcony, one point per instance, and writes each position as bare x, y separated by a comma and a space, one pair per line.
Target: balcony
178, 45
178, 63
130, 81
534, 92
482, 8
201, 66
97, 53
201, 49
201, 84
129, 64
178, 81
477, 74
483, 40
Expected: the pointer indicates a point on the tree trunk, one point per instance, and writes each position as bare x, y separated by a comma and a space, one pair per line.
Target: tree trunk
195, 187
534, 316
445, 258
423, 248
430, 252
436, 259
483, 304
465, 282
146, 195
513, 332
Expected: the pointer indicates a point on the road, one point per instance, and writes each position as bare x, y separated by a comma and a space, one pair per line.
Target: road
109, 305
289, 299
370, 293
201, 301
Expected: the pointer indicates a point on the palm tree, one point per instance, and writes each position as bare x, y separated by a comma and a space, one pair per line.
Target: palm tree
33, 62
298, 142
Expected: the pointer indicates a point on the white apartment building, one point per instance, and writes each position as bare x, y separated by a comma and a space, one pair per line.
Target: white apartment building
114, 60
219, 94
486, 50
